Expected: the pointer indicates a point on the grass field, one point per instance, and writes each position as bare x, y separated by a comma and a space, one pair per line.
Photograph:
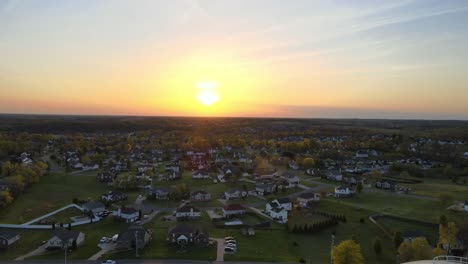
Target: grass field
435, 187
65, 215
392, 225
422, 209
52, 192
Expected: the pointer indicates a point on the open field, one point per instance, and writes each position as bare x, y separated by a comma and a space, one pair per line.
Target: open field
392, 225
435, 187
400, 205
52, 192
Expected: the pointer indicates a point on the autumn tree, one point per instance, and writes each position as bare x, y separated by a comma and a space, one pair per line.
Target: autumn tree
308, 163
5, 198
448, 234
415, 249
347, 252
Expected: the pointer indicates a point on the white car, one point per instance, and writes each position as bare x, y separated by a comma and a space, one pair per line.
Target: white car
231, 245
229, 250
103, 240
229, 238
229, 241
108, 262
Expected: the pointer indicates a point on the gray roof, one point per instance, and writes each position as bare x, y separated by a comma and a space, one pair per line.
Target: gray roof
8, 234
65, 234
128, 210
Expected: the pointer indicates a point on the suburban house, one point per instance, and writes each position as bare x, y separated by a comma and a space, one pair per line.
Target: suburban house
362, 154
184, 234
305, 199
7, 238
127, 214
343, 191
64, 238
293, 165
95, 207
157, 193
263, 189
200, 196
334, 175
114, 196
291, 180
285, 202
233, 210
132, 237
200, 174
354, 180
233, 194
387, 185
172, 175
276, 211
187, 211
106, 177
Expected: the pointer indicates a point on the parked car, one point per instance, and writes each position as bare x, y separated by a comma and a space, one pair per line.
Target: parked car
108, 262
229, 250
229, 238
233, 245
103, 240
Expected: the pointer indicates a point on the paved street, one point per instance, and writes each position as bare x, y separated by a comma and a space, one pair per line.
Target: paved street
142, 261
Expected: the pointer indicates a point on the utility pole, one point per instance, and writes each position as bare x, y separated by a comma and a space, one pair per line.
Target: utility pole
332, 246
66, 249
136, 243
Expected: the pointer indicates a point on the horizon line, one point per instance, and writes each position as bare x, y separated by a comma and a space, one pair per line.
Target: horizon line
229, 117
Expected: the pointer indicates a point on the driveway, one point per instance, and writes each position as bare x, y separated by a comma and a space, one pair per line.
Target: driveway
38, 251
220, 249
105, 247
213, 215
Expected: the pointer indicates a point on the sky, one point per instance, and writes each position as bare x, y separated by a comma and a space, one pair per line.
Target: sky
267, 58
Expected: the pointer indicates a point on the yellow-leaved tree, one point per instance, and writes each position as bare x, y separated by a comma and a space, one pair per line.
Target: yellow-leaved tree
347, 252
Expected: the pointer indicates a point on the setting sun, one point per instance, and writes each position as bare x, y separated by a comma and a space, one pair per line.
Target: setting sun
207, 95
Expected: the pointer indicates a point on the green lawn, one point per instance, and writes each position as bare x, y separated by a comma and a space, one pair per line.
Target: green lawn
52, 192
93, 233
435, 187
401, 205
65, 215
29, 240
392, 225
278, 245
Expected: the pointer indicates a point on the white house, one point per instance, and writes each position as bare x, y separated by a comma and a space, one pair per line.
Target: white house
305, 199
188, 211
200, 174
334, 175
128, 214
277, 211
362, 154
343, 191
233, 194
291, 181
65, 238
